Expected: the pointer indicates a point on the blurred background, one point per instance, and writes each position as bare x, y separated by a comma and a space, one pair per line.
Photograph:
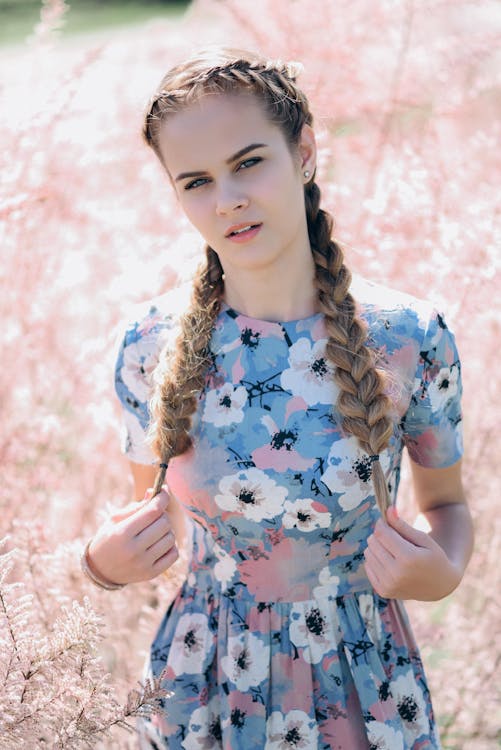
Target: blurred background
407, 102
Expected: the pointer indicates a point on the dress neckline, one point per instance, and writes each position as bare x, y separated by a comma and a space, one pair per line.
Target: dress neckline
225, 308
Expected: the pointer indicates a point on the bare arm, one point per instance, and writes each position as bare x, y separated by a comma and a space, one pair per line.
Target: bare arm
442, 503
407, 563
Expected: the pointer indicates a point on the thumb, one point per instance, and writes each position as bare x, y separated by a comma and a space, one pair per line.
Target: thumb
131, 508
419, 538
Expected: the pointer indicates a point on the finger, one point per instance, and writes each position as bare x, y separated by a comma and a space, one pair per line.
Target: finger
418, 538
381, 554
391, 540
165, 561
161, 546
131, 508
149, 512
149, 535
126, 511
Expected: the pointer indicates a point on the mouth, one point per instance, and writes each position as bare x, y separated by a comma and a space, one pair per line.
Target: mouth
242, 229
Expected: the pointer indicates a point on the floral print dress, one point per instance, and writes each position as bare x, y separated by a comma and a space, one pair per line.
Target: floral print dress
277, 639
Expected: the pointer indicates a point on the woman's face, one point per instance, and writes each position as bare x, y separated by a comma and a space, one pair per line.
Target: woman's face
232, 168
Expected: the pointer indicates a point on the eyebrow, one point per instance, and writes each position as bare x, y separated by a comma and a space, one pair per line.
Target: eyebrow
231, 159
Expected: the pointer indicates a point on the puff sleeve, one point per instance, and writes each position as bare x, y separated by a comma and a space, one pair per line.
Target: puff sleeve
432, 424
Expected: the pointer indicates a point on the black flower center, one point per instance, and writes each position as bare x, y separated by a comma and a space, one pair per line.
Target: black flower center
250, 338
190, 639
247, 496
237, 718
284, 439
408, 708
215, 730
242, 661
444, 384
303, 516
363, 468
319, 367
225, 401
315, 622
293, 737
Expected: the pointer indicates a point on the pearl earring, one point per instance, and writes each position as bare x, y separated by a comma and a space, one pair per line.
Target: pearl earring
306, 173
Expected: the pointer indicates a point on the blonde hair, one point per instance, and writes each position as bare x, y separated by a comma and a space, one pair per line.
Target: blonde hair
363, 401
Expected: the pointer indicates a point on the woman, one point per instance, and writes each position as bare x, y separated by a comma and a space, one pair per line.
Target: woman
284, 394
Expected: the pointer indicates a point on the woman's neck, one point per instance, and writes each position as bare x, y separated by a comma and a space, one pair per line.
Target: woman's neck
276, 297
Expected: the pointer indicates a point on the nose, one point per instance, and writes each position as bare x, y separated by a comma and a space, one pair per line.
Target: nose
229, 200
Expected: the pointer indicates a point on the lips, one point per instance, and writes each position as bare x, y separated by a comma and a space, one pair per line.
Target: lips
237, 229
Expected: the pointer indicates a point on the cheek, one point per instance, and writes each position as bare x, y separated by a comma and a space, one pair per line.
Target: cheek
196, 210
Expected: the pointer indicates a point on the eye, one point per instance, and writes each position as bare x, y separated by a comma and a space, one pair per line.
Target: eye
195, 183
250, 162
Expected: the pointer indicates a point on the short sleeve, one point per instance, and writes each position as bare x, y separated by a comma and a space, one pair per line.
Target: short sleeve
432, 424
132, 386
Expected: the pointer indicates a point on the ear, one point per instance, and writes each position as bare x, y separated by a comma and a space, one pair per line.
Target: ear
307, 148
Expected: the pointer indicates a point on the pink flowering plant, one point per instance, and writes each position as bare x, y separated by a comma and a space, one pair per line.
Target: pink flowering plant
406, 97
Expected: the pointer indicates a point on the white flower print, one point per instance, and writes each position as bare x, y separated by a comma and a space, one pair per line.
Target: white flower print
224, 406
411, 706
383, 737
292, 731
328, 583
349, 472
226, 566
310, 373
252, 493
310, 629
443, 387
138, 369
304, 516
204, 729
247, 661
191, 644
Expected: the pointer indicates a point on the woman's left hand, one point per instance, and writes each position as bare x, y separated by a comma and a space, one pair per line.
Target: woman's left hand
404, 563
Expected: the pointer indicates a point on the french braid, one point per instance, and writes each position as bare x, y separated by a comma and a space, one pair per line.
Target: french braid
363, 403
181, 378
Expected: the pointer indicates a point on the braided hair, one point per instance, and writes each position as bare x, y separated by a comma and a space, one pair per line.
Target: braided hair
363, 402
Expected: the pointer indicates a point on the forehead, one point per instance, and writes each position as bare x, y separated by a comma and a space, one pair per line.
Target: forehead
214, 128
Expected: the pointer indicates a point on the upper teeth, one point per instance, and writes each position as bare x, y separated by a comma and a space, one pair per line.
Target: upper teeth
244, 229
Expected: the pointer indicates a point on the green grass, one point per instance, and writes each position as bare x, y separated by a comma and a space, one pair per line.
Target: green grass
19, 17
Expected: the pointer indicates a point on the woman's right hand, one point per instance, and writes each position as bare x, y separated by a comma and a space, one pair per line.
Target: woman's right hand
136, 543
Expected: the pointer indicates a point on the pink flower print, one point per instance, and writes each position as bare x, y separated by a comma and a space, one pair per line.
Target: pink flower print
251, 493
310, 374
305, 515
246, 663
293, 680
293, 731
280, 454
287, 573
224, 406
